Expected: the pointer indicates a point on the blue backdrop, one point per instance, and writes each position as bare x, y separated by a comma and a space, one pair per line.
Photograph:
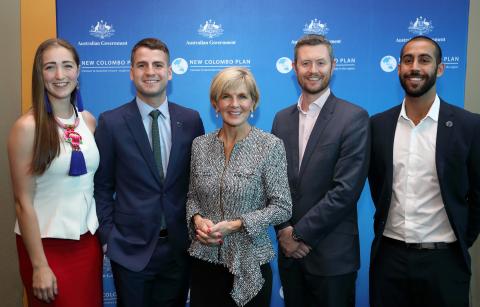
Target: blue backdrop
206, 36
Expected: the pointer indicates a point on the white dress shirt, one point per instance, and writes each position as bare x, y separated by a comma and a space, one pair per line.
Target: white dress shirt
307, 120
417, 212
164, 128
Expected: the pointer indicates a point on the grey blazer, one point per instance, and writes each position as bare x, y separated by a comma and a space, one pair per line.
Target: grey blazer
325, 188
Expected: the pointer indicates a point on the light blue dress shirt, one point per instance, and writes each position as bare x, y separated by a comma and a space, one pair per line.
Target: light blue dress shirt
163, 126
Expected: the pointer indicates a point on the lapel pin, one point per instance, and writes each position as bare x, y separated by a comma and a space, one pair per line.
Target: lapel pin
179, 124
449, 124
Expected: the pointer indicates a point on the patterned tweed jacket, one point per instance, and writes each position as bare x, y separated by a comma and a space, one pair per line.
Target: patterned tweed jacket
253, 187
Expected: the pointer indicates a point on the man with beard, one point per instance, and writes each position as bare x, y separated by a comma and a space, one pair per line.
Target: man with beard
327, 145
425, 182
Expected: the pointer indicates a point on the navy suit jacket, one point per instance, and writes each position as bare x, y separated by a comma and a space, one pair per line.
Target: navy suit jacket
325, 188
128, 192
457, 159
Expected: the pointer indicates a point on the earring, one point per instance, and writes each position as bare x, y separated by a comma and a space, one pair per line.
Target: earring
251, 114
78, 98
46, 101
216, 114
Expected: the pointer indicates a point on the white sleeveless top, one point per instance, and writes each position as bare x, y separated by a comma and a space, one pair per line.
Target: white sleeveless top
64, 204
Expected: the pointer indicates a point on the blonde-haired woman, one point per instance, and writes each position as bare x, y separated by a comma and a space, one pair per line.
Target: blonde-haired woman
238, 188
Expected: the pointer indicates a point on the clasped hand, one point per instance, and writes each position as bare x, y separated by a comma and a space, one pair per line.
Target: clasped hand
290, 247
209, 233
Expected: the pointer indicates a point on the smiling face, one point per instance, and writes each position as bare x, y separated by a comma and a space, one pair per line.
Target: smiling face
59, 72
313, 68
418, 69
235, 105
150, 73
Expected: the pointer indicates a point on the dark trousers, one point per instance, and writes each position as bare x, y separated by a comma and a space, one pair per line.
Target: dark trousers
301, 289
211, 286
401, 276
163, 283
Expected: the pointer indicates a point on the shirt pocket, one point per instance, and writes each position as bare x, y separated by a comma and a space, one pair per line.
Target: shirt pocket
245, 175
204, 182
246, 182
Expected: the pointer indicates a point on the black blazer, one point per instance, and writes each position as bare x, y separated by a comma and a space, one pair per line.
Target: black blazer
128, 192
457, 158
326, 187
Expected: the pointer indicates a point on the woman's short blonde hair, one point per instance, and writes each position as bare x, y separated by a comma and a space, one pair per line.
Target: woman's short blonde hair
231, 78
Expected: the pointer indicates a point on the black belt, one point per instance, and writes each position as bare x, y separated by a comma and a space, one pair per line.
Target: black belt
424, 245
163, 233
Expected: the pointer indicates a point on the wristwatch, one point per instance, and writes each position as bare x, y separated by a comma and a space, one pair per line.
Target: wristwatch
295, 236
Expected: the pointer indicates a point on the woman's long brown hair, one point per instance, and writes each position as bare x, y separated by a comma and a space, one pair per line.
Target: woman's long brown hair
47, 141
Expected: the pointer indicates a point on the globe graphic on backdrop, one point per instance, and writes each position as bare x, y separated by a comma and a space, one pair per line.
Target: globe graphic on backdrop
284, 65
388, 63
179, 66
